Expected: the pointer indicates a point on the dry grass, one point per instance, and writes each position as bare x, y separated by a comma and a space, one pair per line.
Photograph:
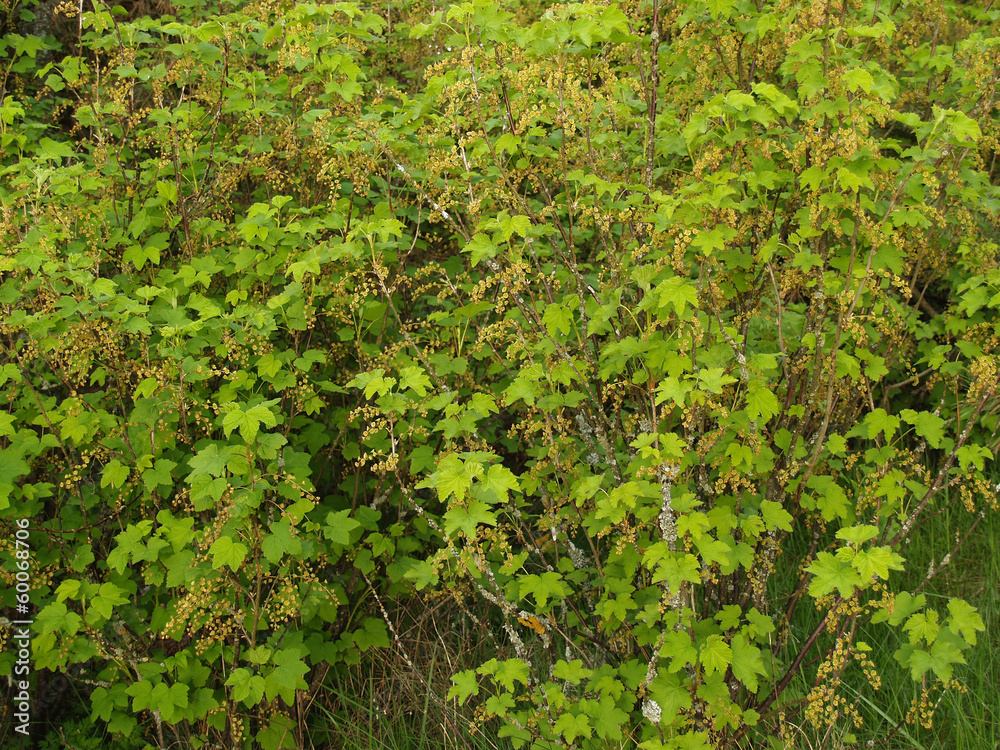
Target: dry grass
396, 698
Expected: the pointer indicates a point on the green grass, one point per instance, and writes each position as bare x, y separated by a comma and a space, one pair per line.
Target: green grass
961, 721
969, 721
381, 704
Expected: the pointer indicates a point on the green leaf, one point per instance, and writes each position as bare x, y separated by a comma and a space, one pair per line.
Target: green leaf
510, 671
547, 585
715, 379
520, 389
905, 604
106, 700
714, 239
606, 718
422, 574
927, 425
879, 421
373, 383
832, 501
54, 149
761, 402
918, 660
279, 734
832, 573
515, 224
114, 474
572, 726
482, 405
453, 477
857, 534
160, 475
466, 685
858, 78
570, 671
280, 542
678, 293
747, 662
673, 389
210, 460
498, 482
262, 414
680, 649
877, 561
729, 617
248, 688
964, 620
673, 567
760, 625
468, 519
973, 455
923, 626
372, 634
414, 378
836, 444
68, 589
232, 420
179, 566
481, 247
671, 694
964, 129
876, 369
225, 551
716, 654
720, 9
782, 104
109, 596
557, 319
338, 527
585, 29
170, 700
286, 677
813, 178
12, 466
9, 372
848, 367
56, 617
126, 543
775, 516
695, 524
248, 421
